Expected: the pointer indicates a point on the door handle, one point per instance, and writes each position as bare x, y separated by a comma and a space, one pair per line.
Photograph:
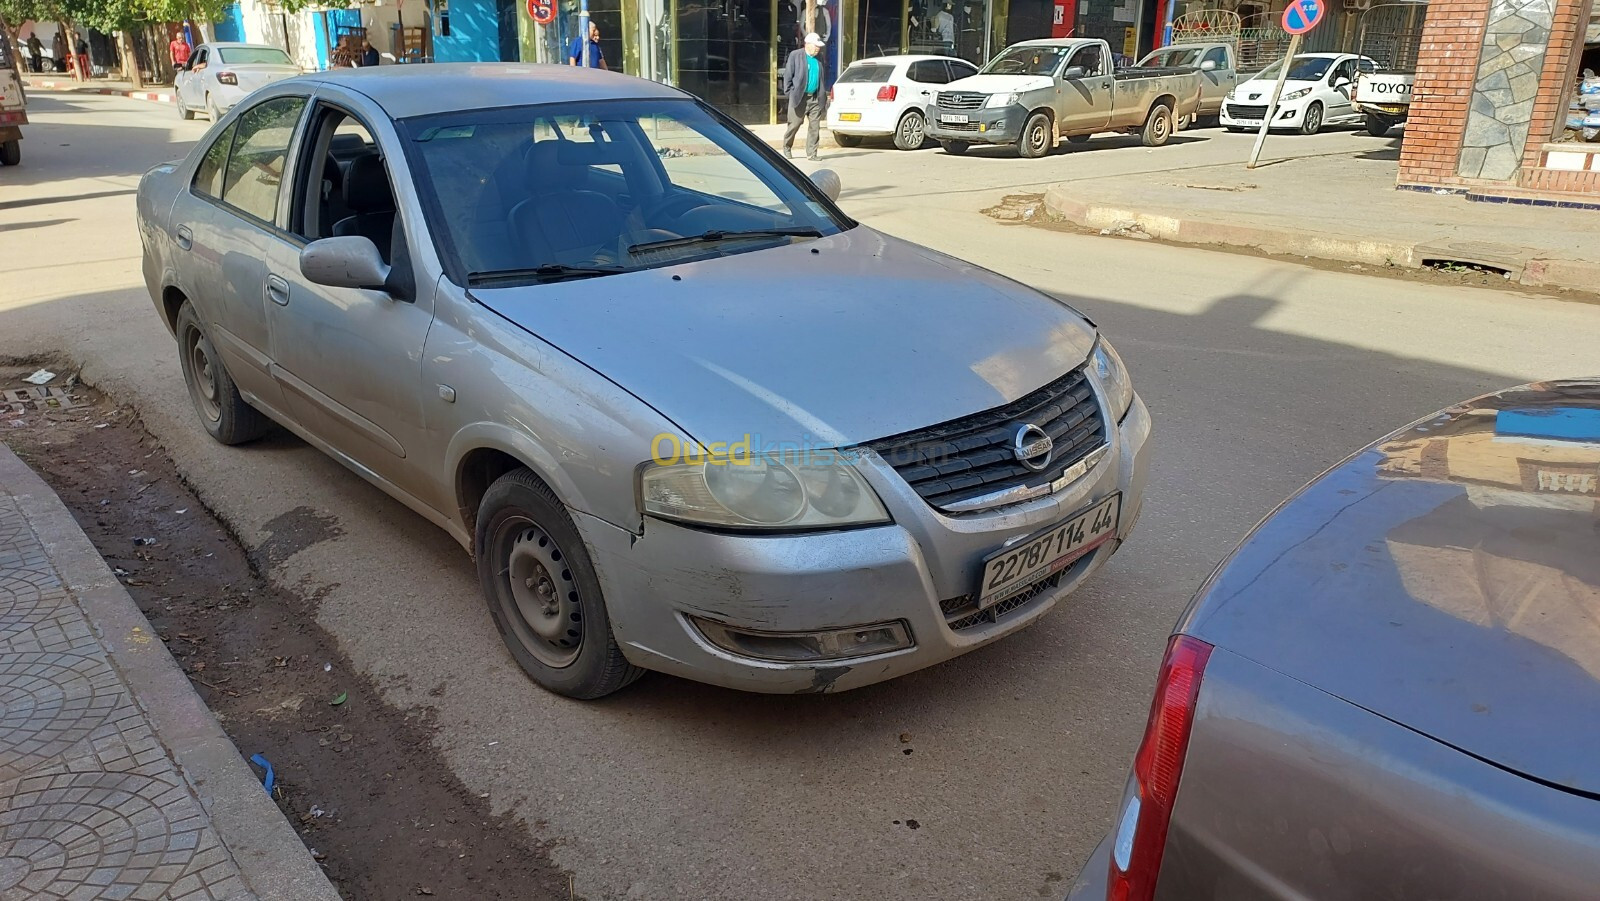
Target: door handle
277, 290
185, 237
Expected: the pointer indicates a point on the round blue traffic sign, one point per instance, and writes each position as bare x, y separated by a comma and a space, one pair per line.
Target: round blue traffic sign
1300, 16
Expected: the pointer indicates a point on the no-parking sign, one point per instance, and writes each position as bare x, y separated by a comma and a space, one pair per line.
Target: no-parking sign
542, 11
1301, 16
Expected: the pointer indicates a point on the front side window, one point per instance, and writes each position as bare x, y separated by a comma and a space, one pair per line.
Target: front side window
929, 72
1088, 59
577, 190
1217, 57
260, 147
1026, 60
208, 175
962, 70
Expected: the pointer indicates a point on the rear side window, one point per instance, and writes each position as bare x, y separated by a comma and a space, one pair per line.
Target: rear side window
876, 73
260, 147
208, 175
930, 71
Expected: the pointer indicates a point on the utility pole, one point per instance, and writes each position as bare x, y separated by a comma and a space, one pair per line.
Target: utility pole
583, 33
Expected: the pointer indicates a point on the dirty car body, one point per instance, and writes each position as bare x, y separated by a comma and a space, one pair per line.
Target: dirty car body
1392, 687
784, 452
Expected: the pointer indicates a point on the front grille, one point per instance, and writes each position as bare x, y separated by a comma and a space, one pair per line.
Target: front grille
1236, 111
961, 100
972, 456
959, 621
958, 126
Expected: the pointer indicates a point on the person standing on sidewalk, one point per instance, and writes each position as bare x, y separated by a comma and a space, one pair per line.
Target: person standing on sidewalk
35, 53
597, 60
180, 50
82, 61
805, 82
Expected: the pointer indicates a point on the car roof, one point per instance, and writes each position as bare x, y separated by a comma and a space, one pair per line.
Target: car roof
404, 91
229, 45
907, 58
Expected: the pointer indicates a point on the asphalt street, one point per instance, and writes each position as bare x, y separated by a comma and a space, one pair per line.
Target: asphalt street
1259, 374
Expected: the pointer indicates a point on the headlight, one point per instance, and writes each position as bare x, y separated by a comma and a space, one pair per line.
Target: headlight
802, 490
1296, 95
1000, 100
1113, 378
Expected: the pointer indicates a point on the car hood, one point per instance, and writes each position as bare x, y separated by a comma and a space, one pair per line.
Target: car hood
999, 84
834, 341
1446, 578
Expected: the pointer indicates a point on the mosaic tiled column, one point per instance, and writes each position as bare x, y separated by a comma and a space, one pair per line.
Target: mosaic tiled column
1514, 46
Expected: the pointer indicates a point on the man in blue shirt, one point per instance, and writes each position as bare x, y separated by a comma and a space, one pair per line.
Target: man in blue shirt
597, 60
806, 85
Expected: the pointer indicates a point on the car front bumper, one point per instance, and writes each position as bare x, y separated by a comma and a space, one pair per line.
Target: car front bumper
1001, 125
657, 583
1289, 116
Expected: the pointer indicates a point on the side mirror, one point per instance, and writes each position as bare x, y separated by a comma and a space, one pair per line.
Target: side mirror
350, 262
1209, 65
1340, 83
1074, 72
827, 181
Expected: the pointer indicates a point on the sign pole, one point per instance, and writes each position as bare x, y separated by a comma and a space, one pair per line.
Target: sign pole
583, 32
1272, 108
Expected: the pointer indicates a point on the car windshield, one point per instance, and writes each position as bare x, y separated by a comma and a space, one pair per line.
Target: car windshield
539, 193
1173, 56
871, 72
1305, 68
1026, 60
245, 56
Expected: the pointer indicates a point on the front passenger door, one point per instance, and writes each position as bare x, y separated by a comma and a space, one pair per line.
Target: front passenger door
1083, 104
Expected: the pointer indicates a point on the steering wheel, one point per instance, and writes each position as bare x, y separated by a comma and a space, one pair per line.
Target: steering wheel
655, 213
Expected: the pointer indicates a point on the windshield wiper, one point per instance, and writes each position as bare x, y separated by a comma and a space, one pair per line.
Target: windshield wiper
716, 235
548, 272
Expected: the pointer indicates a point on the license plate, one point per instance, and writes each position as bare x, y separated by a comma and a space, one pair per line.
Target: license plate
849, 117
1011, 570
1249, 123
949, 119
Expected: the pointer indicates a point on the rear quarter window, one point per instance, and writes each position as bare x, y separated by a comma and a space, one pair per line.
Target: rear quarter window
876, 73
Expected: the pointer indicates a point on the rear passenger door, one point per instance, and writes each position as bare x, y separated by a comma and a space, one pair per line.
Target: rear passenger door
925, 76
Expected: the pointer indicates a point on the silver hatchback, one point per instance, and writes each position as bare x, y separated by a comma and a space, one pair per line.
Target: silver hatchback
686, 414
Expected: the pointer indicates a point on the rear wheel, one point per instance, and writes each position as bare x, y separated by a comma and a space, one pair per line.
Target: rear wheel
1312, 123
226, 415
543, 593
1037, 137
211, 109
912, 131
1377, 126
1158, 126
954, 148
10, 153
846, 140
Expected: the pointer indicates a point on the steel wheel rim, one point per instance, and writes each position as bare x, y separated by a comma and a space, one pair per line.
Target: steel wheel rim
537, 594
1036, 138
911, 130
203, 375
1162, 123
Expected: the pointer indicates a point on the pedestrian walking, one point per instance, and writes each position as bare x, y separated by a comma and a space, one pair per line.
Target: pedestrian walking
180, 50
82, 47
58, 52
805, 82
36, 53
597, 60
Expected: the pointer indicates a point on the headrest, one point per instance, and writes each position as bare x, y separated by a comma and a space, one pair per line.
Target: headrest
366, 185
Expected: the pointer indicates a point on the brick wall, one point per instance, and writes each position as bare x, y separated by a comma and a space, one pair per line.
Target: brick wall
1447, 67
1560, 181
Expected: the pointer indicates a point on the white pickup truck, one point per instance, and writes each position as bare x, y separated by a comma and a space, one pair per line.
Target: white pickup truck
1035, 93
13, 101
1216, 62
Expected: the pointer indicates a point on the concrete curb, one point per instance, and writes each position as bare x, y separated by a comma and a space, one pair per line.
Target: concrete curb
1537, 271
81, 88
271, 858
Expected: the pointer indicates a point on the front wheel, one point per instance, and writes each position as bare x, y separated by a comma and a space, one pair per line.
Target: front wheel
1158, 126
184, 112
1378, 127
10, 153
543, 593
1037, 138
1312, 123
912, 131
954, 148
226, 415
846, 140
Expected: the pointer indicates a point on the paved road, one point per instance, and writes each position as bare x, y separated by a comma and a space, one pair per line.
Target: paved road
1260, 374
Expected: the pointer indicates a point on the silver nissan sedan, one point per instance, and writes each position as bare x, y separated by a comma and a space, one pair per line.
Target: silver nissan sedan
686, 415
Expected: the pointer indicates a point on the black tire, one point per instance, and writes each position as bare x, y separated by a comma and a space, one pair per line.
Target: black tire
954, 148
1037, 138
523, 536
1378, 127
1236, 129
1312, 123
912, 132
184, 112
1078, 139
847, 140
1157, 129
226, 415
10, 153
211, 109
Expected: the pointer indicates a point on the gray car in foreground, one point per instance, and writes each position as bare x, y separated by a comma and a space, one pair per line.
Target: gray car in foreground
686, 415
1392, 688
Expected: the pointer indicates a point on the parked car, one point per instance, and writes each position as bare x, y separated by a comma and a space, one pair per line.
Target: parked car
1391, 34
13, 101
1034, 93
1217, 65
1391, 689
219, 75
889, 95
1316, 94
684, 412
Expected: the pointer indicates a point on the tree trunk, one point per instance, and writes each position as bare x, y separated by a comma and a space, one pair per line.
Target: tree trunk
130, 60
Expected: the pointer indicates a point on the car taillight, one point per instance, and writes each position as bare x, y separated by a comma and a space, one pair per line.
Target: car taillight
888, 92
1141, 835
227, 78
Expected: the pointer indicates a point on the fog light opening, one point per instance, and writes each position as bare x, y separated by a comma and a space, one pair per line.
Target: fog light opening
805, 647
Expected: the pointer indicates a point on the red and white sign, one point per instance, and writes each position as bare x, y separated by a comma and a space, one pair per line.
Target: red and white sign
542, 11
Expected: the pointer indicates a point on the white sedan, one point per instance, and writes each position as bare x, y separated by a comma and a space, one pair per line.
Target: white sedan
886, 95
1316, 93
218, 76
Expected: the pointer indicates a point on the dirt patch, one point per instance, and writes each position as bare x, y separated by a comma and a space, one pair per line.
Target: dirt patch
360, 781
1029, 209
